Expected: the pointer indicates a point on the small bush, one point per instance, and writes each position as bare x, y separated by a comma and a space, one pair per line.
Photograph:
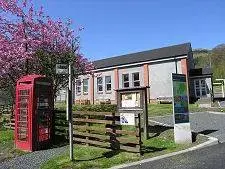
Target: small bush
3, 121
96, 108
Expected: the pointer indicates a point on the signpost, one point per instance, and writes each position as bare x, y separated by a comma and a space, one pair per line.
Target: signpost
182, 129
64, 69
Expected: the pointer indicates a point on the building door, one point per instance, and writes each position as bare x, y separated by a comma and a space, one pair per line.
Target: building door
200, 88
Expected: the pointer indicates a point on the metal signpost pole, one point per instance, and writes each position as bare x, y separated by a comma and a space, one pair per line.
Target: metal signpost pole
70, 112
62, 69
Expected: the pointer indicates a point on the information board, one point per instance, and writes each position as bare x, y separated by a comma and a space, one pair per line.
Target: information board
131, 99
180, 99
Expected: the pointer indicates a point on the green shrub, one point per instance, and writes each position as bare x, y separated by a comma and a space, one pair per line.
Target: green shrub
3, 121
91, 107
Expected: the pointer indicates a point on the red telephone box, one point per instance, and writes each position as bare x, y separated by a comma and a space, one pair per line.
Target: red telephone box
34, 111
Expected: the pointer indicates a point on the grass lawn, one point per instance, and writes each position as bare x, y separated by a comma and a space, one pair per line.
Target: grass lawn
167, 109
161, 142
7, 149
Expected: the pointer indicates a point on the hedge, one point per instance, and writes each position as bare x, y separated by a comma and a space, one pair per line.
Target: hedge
92, 107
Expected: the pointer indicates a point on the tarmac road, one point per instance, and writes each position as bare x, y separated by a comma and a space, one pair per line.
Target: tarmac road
212, 157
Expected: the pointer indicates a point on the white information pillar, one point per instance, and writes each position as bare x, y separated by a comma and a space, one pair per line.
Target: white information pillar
182, 128
182, 133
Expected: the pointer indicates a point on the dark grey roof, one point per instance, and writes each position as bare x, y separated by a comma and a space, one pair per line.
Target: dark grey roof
155, 54
200, 72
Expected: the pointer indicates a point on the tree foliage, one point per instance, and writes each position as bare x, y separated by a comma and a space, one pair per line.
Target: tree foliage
32, 42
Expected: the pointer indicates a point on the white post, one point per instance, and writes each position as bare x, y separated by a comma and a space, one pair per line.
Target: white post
70, 113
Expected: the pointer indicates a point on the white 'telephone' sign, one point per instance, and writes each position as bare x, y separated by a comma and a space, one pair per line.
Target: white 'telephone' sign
127, 119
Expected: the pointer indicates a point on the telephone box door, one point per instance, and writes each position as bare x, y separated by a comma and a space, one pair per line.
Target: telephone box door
23, 118
44, 114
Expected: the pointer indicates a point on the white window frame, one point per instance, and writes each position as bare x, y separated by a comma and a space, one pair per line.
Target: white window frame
101, 84
85, 85
201, 88
78, 87
133, 81
127, 81
108, 83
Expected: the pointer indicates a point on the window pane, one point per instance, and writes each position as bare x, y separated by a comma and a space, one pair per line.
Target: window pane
136, 83
135, 76
108, 87
197, 92
202, 81
78, 89
108, 79
203, 92
197, 84
108, 83
85, 89
126, 84
125, 77
85, 85
99, 80
99, 84
85, 82
78, 83
100, 88
78, 86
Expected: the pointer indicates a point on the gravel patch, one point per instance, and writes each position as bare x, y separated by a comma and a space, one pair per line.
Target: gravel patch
32, 160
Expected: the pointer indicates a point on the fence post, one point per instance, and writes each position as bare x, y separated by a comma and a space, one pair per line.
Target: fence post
139, 134
87, 130
113, 141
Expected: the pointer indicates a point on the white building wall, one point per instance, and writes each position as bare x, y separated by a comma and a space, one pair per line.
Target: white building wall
160, 78
208, 86
61, 96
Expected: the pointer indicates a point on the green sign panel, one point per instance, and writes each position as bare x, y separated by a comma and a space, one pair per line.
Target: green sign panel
180, 99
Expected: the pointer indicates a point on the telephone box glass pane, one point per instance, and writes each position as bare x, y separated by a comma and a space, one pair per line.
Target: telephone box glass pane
23, 98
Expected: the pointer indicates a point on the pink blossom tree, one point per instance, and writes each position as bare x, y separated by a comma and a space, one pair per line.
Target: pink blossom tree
32, 42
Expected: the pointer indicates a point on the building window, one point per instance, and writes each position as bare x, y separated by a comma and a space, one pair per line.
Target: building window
99, 84
136, 79
108, 83
200, 88
125, 80
85, 86
78, 87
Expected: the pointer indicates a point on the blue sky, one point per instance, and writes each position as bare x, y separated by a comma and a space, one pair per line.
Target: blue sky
116, 27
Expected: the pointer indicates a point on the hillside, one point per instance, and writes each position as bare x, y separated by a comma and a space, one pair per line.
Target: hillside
214, 58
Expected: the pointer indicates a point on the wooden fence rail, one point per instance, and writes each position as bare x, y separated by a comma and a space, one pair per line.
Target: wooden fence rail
101, 129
